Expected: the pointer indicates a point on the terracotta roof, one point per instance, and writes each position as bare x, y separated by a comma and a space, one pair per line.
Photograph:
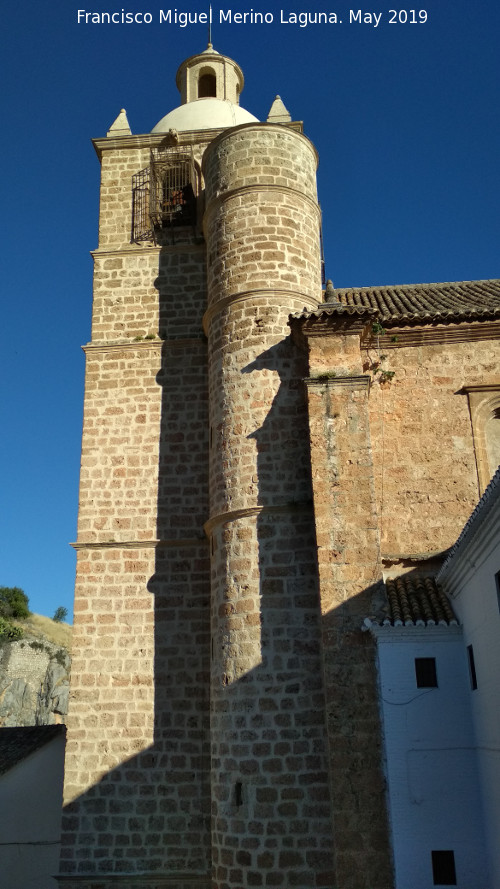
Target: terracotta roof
20, 742
396, 304
417, 601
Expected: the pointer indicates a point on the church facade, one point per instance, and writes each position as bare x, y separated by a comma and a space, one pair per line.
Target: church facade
260, 453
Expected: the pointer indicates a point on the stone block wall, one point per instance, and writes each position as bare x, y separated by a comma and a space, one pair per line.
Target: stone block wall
271, 816
349, 571
118, 165
137, 767
425, 466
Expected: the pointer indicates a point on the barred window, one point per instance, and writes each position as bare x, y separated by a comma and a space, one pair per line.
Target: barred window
164, 194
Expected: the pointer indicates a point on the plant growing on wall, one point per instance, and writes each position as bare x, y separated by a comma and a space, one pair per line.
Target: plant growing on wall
376, 367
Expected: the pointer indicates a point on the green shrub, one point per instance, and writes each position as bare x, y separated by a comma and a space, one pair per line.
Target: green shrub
8, 632
13, 603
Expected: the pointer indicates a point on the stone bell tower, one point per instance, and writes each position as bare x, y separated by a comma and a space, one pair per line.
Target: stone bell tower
196, 739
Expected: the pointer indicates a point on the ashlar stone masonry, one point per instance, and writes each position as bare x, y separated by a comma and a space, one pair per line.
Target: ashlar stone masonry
256, 455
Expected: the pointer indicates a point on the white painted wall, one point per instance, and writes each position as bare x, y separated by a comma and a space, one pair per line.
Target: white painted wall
434, 798
30, 813
469, 579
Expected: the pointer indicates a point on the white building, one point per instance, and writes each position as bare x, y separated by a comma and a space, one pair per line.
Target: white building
31, 779
471, 579
439, 672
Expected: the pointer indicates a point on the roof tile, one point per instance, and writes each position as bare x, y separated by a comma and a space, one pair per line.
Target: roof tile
417, 601
445, 302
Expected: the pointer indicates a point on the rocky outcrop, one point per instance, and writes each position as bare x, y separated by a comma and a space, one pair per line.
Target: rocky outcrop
34, 682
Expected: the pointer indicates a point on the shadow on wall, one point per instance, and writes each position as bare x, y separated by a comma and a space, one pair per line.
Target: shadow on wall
272, 810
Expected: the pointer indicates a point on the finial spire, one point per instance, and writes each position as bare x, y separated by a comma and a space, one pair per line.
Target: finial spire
210, 46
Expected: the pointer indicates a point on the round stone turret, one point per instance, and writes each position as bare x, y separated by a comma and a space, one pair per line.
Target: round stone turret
261, 226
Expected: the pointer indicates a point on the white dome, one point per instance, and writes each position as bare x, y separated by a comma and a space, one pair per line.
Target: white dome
204, 114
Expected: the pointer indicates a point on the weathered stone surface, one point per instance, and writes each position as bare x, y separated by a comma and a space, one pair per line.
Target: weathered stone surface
34, 682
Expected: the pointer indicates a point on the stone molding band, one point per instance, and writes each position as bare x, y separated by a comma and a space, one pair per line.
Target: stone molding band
438, 334
257, 188
171, 543
236, 514
149, 249
141, 344
259, 293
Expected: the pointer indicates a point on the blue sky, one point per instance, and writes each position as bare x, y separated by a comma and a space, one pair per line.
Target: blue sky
405, 119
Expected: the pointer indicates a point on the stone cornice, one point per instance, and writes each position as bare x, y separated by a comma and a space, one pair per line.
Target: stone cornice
325, 325
433, 334
157, 343
394, 337
483, 387
113, 143
187, 137
120, 347
149, 250
171, 543
151, 140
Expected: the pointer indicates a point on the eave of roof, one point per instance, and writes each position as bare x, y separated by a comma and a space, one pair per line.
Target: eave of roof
447, 302
415, 601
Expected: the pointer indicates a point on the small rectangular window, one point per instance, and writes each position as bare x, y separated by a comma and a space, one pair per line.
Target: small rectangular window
425, 672
472, 667
497, 581
443, 868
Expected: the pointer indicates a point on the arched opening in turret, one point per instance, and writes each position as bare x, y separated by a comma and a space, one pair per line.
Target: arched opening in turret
207, 84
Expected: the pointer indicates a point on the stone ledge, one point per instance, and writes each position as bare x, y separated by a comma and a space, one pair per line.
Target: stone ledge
130, 881
138, 544
257, 293
347, 382
237, 514
257, 188
141, 344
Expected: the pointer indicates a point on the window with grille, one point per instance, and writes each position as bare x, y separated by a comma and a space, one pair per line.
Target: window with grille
164, 194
